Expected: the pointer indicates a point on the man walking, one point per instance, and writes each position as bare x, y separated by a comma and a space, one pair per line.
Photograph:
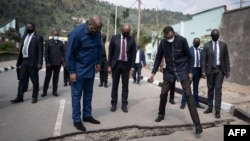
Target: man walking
216, 66
179, 62
139, 63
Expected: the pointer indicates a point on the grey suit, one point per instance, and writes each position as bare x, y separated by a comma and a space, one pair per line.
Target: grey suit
215, 76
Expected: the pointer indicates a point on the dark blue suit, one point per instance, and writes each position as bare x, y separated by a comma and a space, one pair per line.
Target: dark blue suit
83, 53
138, 65
196, 76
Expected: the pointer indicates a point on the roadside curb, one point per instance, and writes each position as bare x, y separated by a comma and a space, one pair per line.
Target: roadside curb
227, 107
4, 69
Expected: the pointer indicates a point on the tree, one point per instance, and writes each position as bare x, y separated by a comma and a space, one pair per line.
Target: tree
144, 40
12, 34
125, 14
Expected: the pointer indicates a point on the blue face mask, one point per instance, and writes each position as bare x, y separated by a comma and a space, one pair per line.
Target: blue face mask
56, 38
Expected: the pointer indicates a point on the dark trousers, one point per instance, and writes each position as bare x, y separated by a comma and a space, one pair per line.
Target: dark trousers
190, 100
103, 73
172, 89
214, 83
55, 69
66, 75
137, 72
120, 69
196, 81
27, 72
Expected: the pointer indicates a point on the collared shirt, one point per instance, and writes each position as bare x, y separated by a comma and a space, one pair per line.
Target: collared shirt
218, 52
120, 56
84, 51
27, 40
137, 59
197, 60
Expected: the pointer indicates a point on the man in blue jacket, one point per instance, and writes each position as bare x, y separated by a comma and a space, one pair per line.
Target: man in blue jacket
197, 55
139, 63
83, 60
179, 62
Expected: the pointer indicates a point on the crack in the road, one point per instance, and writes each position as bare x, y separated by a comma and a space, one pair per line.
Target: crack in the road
132, 132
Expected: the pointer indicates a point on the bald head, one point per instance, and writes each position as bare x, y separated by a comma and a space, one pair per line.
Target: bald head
95, 25
125, 30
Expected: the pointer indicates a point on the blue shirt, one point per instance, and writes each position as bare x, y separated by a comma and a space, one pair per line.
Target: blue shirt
83, 52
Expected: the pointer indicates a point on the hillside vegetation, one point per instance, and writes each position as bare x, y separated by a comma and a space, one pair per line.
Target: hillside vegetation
67, 14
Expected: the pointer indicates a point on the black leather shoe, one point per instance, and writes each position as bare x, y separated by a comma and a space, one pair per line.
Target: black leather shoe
124, 109
79, 126
198, 129
17, 100
105, 85
217, 114
101, 84
55, 94
113, 108
159, 118
91, 120
171, 101
209, 110
43, 95
182, 106
199, 106
65, 84
34, 100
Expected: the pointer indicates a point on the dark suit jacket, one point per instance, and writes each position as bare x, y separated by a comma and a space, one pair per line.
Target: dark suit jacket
114, 50
208, 58
54, 52
35, 51
192, 49
178, 58
142, 57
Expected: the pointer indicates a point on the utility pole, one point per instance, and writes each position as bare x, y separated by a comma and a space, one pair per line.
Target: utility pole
115, 17
241, 3
139, 19
108, 28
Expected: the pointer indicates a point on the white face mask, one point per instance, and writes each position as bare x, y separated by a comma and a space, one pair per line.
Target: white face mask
56, 38
170, 40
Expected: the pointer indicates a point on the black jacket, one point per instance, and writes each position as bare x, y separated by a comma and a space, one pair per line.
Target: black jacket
54, 52
178, 58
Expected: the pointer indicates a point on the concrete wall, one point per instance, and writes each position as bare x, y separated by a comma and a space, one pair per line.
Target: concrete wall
235, 31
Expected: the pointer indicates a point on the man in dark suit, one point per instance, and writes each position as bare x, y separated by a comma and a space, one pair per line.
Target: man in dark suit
197, 56
104, 64
54, 58
31, 60
122, 51
139, 63
215, 66
179, 62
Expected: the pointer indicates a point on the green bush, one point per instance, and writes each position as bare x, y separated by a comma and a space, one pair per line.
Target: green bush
4, 46
8, 53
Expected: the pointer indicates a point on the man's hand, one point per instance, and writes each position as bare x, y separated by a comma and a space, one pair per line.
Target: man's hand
190, 77
131, 73
72, 77
109, 69
97, 68
151, 79
228, 75
39, 66
203, 75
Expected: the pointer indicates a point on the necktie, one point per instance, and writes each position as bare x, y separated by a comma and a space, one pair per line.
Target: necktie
26, 45
215, 54
123, 50
197, 57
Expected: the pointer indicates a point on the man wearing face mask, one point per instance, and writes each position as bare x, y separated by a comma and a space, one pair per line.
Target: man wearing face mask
30, 60
83, 58
180, 63
121, 59
54, 58
197, 56
215, 66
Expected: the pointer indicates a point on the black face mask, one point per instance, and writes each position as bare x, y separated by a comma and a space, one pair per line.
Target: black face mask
125, 34
196, 45
29, 31
215, 37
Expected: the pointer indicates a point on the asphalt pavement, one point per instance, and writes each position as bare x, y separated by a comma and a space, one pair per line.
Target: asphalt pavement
50, 118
